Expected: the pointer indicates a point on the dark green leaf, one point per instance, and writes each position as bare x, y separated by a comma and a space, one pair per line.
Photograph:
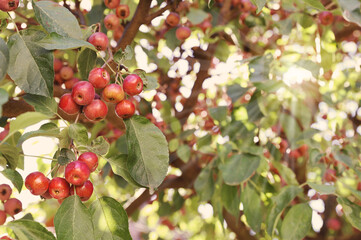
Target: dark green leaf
4, 58
58, 19
196, 15
45, 105
55, 41
315, 4
230, 199
322, 189
99, 146
148, 155
11, 154
204, 184
14, 177
86, 62
4, 97
351, 211
222, 51
171, 40
252, 207
121, 55
109, 219
343, 158
253, 110
78, 133
281, 201
218, 113
239, 168
259, 68
150, 83
297, 222
235, 91
64, 139
184, 152
31, 66
286, 173
29, 230
47, 129
66, 156
73, 220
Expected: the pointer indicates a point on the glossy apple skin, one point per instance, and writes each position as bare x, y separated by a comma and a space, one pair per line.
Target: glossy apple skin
84, 191
182, 33
125, 109
37, 183
99, 40
99, 77
59, 188
83, 93
113, 93
133, 84
2, 217
111, 22
66, 73
5, 192
68, 105
9, 5
58, 65
172, 19
326, 18
112, 4
13, 206
90, 159
69, 84
77, 173
96, 110
122, 11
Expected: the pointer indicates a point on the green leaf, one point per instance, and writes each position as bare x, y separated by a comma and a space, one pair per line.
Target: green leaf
110, 219
239, 168
119, 167
259, 4
4, 59
30, 230
253, 110
184, 152
235, 91
47, 129
121, 55
11, 154
252, 208
281, 201
14, 177
230, 199
4, 97
297, 222
259, 68
150, 83
86, 62
78, 133
286, 173
196, 15
66, 156
148, 155
218, 113
315, 4
55, 41
45, 105
343, 158
309, 65
351, 211
99, 146
170, 39
204, 184
222, 51
73, 220
58, 19
25, 120
322, 189
351, 10
30, 65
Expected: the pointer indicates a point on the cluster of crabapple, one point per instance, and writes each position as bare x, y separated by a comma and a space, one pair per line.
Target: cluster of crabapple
83, 95
64, 74
12, 206
75, 180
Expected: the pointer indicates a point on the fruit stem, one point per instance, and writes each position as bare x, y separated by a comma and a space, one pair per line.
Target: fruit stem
55, 167
106, 63
48, 158
12, 20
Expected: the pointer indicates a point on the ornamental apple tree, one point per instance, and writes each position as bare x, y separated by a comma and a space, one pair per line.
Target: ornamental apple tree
219, 119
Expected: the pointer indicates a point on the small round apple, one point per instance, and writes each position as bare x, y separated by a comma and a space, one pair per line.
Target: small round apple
125, 109
118, 32
326, 18
2, 217
77, 173
99, 40
113, 93
112, 4
5, 192
59, 188
37, 183
13, 206
66, 73
83, 93
172, 19
8, 5
111, 22
96, 110
68, 105
122, 11
99, 77
58, 64
182, 33
71, 82
90, 159
133, 84
84, 191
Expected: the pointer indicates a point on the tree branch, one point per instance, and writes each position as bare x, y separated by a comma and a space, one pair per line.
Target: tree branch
236, 226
